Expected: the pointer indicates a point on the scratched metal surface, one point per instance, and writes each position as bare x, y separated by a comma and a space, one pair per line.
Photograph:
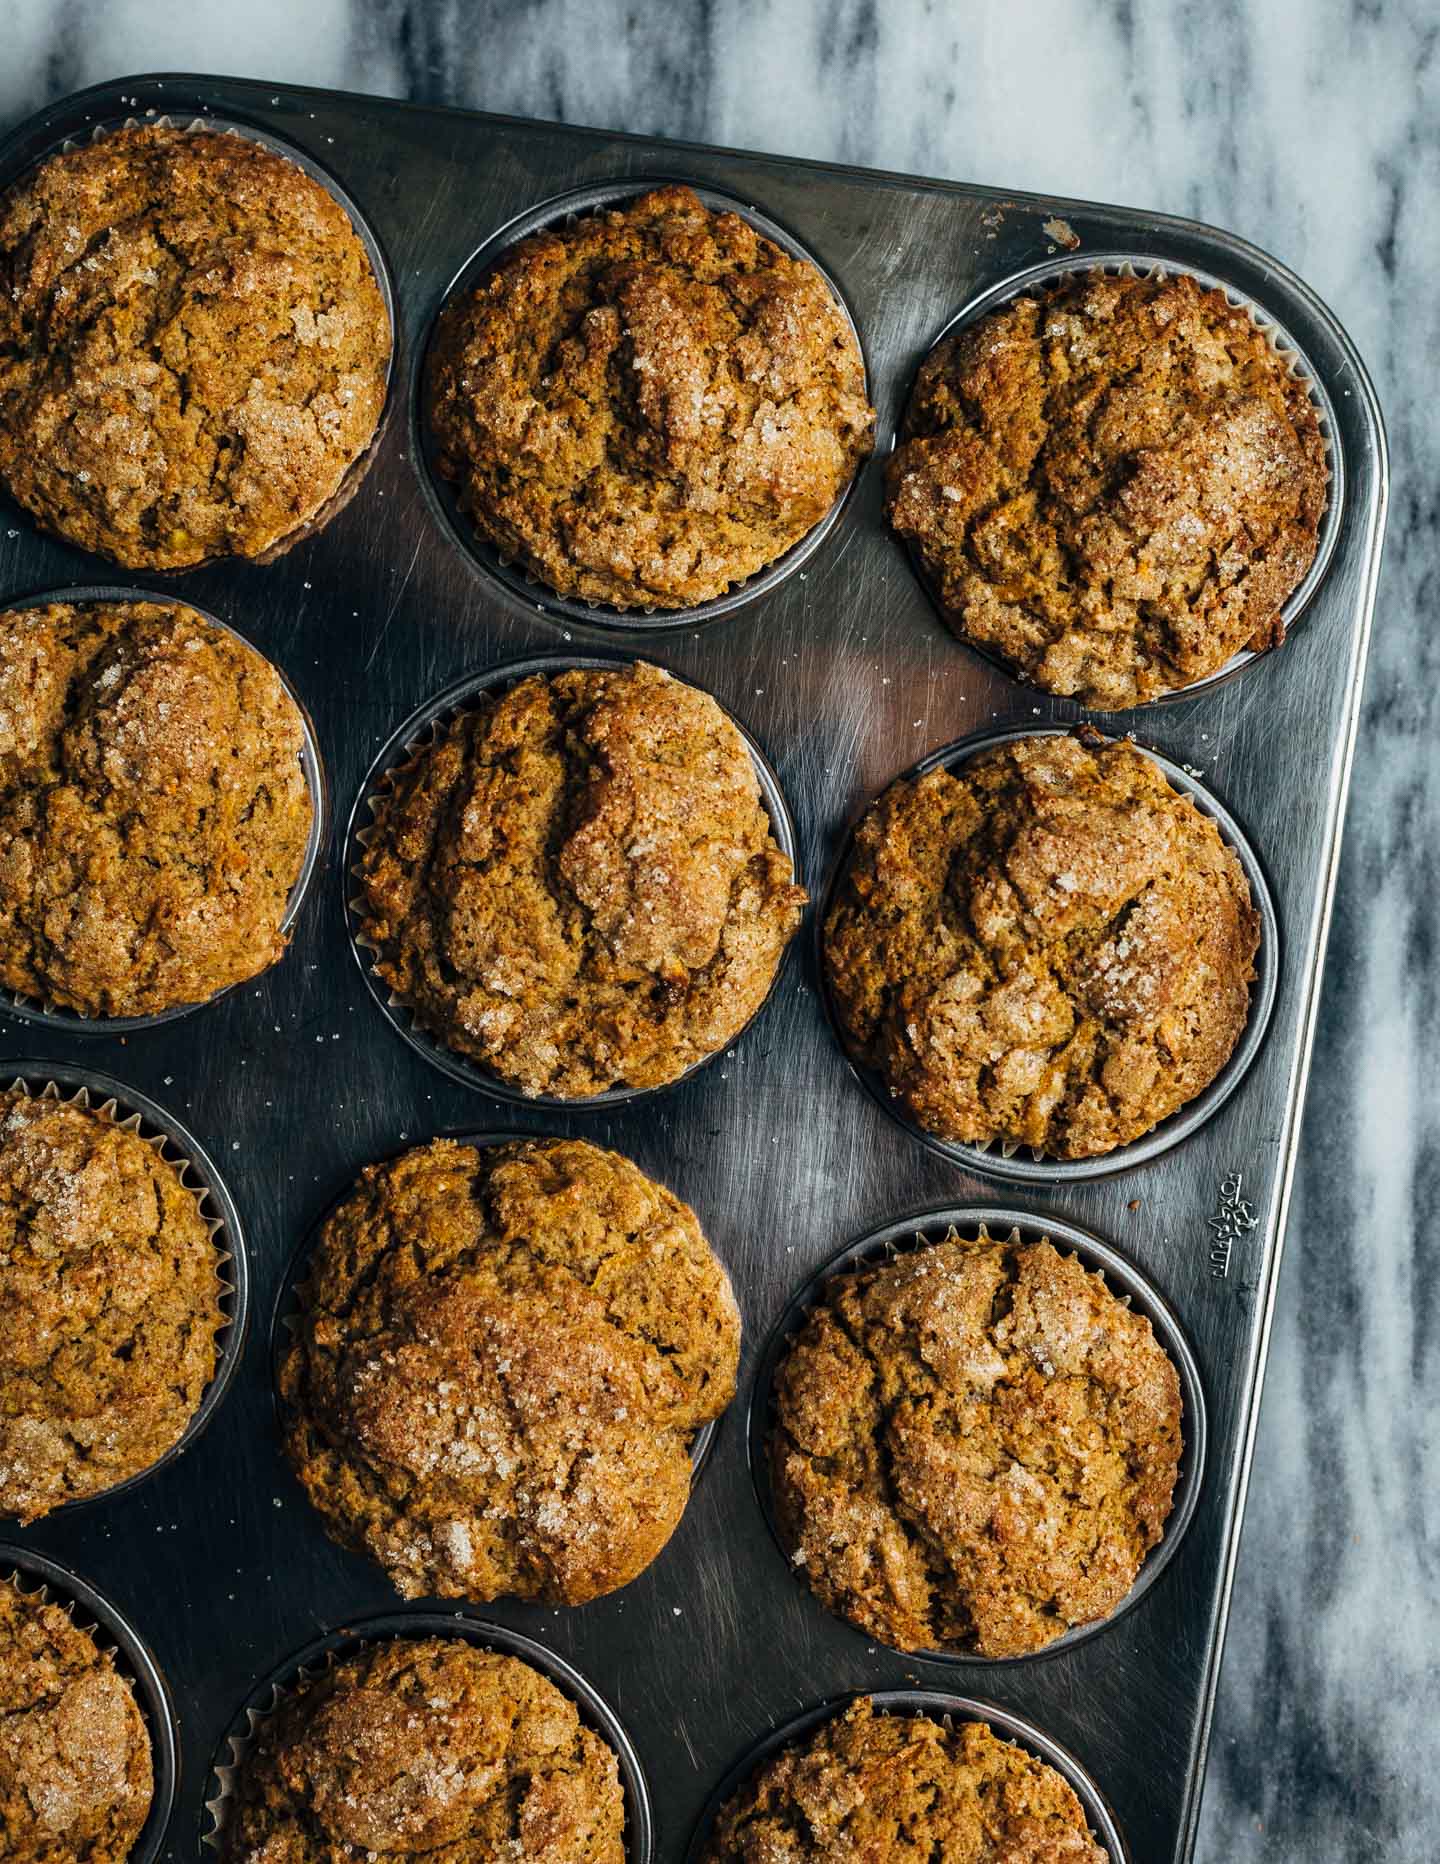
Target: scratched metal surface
846, 677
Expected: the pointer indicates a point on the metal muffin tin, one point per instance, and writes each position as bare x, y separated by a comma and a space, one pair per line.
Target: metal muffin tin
845, 672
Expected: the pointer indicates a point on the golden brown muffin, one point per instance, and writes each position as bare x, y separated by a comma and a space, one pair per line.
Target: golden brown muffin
109, 1304
501, 1360
153, 810
1049, 946
649, 404
193, 347
427, 1749
76, 1778
895, 1789
577, 884
975, 1446
1113, 486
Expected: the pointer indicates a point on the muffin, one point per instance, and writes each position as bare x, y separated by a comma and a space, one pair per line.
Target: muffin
430, 1749
1048, 947
154, 814
649, 404
193, 347
576, 883
501, 1360
109, 1303
895, 1788
975, 1445
76, 1778
1113, 486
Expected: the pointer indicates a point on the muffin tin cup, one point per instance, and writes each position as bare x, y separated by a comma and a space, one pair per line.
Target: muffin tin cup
550, 216
937, 1706
112, 1631
18, 159
1014, 1164
922, 1230
125, 1107
347, 1641
418, 732
1056, 273
54, 1016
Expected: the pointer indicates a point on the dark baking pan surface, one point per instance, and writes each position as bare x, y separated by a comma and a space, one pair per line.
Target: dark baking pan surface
844, 674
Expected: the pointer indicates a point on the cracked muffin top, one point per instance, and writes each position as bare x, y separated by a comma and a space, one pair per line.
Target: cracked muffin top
577, 885
650, 404
109, 1304
1049, 947
501, 1360
193, 347
76, 1778
153, 809
975, 1446
895, 1788
429, 1749
1114, 486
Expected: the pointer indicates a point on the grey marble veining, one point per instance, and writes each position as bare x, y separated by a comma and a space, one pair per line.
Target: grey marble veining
1314, 129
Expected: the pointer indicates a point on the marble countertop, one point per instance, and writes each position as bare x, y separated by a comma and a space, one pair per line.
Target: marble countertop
1315, 131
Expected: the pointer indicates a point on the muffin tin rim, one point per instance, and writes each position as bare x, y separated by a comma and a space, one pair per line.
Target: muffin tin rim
1054, 273
530, 591
227, 1237
286, 1308
312, 766
1017, 1167
923, 1229
19, 158
393, 756
133, 1660
933, 1705
348, 1639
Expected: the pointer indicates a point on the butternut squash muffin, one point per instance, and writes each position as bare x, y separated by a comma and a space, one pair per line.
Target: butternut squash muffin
1114, 486
894, 1788
193, 346
153, 810
502, 1357
109, 1304
650, 404
975, 1446
432, 1749
76, 1777
577, 885
1049, 946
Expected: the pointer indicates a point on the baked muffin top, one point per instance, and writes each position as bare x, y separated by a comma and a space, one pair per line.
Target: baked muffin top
975, 1446
649, 404
109, 1304
76, 1778
193, 347
153, 810
894, 1788
502, 1357
428, 1749
1113, 486
1049, 946
577, 885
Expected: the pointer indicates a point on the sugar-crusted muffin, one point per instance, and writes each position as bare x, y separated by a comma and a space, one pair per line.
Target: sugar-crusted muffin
650, 404
427, 1748
76, 1777
974, 1446
154, 813
576, 884
894, 1788
1114, 486
109, 1303
193, 346
501, 1359
1049, 946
